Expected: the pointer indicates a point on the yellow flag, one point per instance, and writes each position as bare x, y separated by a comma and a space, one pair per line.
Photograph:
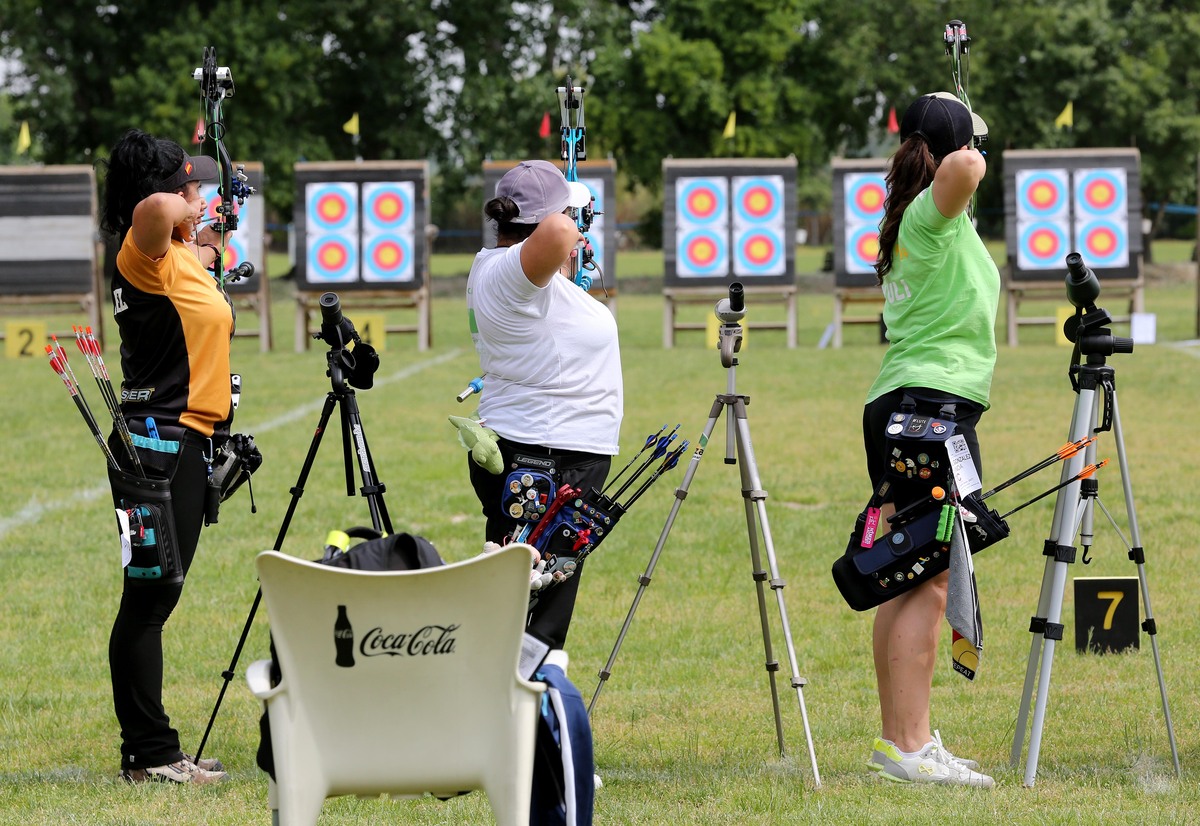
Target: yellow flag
730, 125
1066, 118
23, 141
350, 127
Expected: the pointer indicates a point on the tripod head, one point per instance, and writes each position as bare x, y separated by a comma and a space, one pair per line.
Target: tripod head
1088, 329
729, 312
355, 366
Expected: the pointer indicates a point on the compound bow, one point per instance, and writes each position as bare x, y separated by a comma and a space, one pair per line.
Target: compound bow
958, 49
216, 84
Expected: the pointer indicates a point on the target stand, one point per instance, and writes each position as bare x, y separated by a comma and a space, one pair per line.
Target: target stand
1059, 200
859, 191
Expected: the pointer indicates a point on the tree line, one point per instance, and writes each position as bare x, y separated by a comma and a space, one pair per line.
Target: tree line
456, 82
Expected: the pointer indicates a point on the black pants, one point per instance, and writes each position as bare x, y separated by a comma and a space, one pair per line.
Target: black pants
135, 655
552, 614
875, 420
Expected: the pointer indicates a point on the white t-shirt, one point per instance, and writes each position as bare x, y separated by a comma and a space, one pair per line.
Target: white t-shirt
550, 357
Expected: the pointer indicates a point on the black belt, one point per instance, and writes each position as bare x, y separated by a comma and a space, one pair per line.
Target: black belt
509, 447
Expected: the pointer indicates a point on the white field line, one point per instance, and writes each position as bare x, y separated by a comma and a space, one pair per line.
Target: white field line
36, 509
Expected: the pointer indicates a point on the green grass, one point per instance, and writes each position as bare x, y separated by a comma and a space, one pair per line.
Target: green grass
684, 731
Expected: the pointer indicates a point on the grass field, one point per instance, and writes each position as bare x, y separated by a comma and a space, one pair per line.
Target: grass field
684, 731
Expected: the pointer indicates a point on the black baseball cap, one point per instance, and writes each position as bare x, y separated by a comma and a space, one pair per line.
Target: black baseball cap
943, 121
200, 168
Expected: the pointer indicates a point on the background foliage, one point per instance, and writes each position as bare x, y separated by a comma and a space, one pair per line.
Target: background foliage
455, 82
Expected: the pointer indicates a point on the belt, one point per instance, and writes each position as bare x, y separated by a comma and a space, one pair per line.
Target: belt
510, 447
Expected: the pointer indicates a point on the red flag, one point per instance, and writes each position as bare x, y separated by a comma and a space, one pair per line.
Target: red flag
544, 129
198, 133
893, 127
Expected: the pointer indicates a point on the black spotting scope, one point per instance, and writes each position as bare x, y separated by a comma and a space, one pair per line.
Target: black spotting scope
1083, 287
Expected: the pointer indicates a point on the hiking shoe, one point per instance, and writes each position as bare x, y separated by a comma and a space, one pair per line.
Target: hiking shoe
182, 771
930, 765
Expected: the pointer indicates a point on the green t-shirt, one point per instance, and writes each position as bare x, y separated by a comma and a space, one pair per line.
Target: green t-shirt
940, 307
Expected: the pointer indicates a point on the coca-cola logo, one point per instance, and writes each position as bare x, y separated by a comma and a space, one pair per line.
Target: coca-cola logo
429, 640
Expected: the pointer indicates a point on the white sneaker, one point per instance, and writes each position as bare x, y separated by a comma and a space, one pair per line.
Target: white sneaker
970, 764
932, 764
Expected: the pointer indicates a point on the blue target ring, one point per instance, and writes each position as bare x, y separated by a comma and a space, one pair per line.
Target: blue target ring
1044, 243
1104, 243
332, 258
701, 201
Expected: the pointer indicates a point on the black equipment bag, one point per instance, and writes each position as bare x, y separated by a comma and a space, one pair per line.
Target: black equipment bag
912, 553
153, 543
397, 552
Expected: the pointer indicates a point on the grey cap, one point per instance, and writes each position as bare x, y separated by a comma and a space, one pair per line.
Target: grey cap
539, 190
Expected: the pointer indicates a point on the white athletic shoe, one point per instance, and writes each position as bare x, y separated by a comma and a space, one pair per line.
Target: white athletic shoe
970, 764
932, 764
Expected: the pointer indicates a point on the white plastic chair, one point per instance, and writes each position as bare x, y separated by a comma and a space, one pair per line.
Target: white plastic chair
432, 702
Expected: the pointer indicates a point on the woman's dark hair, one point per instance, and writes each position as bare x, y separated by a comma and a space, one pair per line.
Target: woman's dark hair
912, 170
502, 211
136, 168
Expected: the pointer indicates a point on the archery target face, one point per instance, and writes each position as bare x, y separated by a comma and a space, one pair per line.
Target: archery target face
388, 226
387, 257
388, 206
702, 201
1102, 216
758, 200
332, 258
1100, 192
1041, 245
862, 248
701, 252
758, 226
1103, 243
864, 193
331, 207
1042, 194
331, 232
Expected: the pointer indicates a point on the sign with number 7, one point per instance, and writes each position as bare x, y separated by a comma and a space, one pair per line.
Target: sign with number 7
1106, 614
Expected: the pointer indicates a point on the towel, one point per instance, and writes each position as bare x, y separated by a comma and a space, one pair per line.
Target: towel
962, 605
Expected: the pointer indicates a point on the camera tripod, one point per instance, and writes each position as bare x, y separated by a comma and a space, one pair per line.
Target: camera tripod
730, 311
1096, 410
343, 370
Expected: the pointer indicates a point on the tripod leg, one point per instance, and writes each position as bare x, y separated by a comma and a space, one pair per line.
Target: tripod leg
1138, 554
1064, 554
297, 492
755, 499
372, 489
644, 579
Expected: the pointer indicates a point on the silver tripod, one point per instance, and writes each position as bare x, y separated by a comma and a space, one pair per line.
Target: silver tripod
1095, 411
730, 311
